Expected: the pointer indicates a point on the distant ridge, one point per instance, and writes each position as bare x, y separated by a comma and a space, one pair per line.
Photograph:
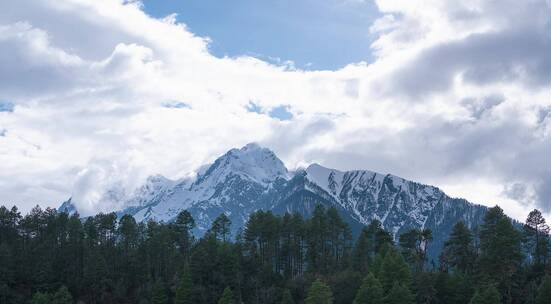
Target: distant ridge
252, 178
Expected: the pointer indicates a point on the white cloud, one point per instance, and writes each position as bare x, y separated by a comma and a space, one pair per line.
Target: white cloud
457, 96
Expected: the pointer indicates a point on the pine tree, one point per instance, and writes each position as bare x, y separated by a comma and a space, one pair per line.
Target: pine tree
544, 291
500, 245
317, 241
459, 253
536, 235
220, 228
183, 224
62, 296
287, 297
371, 240
488, 295
183, 293
399, 294
159, 293
227, 297
319, 293
393, 269
370, 292
40, 298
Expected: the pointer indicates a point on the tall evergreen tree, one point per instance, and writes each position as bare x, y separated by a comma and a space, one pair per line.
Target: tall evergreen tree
221, 228
487, 295
371, 240
184, 291
287, 297
459, 252
393, 269
544, 291
399, 294
500, 256
62, 296
227, 297
40, 298
159, 293
319, 293
183, 224
536, 236
370, 292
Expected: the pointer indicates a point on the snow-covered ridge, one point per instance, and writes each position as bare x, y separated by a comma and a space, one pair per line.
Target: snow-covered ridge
244, 180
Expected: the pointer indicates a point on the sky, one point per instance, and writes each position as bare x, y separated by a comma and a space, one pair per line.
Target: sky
97, 93
309, 34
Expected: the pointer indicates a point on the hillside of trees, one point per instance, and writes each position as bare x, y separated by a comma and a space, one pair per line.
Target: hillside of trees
50, 257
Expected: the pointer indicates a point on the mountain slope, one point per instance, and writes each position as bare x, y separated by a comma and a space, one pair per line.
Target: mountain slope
251, 178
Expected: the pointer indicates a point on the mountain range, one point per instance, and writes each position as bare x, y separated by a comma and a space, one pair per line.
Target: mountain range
252, 178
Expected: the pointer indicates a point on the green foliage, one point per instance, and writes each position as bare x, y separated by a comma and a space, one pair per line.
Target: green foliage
319, 293
227, 297
459, 253
103, 259
221, 228
393, 269
62, 296
184, 291
287, 297
371, 240
399, 294
159, 293
370, 292
544, 291
487, 295
500, 244
40, 298
536, 239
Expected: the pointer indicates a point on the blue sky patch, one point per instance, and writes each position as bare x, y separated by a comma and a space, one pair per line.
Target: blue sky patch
254, 108
176, 105
6, 106
281, 113
315, 35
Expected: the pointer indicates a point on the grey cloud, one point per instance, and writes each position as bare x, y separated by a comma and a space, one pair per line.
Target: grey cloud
437, 151
519, 55
479, 106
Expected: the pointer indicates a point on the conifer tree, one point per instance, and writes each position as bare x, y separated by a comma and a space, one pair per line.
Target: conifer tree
183, 224
459, 253
159, 293
393, 269
487, 295
319, 293
370, 292
220, 228
287, 297
544, 291
372, 238
40, 298
227, 297
500, 256
183, 293
399, 294
62, 296
536, 236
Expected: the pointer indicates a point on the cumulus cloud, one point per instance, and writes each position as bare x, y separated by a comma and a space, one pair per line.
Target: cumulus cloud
101, 95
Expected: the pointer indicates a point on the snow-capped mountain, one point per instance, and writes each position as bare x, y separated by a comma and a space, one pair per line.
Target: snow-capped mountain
252, 178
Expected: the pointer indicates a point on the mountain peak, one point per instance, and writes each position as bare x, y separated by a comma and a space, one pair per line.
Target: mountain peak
252, 146
251, 161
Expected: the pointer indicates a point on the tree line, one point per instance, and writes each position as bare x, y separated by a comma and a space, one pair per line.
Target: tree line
48, 257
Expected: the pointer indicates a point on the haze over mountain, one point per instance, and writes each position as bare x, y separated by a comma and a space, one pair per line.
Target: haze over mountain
252, 178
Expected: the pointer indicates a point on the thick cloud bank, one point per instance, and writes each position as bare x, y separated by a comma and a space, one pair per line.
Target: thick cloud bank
97, 93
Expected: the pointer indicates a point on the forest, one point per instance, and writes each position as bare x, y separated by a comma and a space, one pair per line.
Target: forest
48, 257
